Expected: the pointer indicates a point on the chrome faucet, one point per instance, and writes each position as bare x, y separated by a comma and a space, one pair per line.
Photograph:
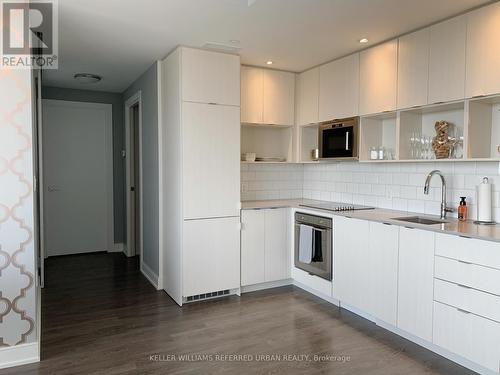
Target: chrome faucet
444, 209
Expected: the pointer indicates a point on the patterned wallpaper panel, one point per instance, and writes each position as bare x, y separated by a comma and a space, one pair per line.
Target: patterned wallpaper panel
17, 258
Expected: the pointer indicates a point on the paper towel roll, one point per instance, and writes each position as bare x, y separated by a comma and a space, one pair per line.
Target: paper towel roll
484, 201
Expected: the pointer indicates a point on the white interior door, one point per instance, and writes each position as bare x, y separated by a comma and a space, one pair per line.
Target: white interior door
78, 177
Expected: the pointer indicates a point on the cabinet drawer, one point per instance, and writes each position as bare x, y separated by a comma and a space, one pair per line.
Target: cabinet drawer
467, 335
484, 253
468, 274
468, 299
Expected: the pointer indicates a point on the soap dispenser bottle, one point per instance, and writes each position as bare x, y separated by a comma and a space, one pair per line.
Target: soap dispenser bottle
462, 210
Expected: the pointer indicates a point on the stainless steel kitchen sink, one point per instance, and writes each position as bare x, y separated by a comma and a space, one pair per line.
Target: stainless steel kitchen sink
420, 220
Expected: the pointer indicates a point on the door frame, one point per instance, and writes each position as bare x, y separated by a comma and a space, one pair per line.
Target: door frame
130, 102
110, 224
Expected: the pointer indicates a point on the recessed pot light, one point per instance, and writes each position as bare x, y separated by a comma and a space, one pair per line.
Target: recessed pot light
363, 40
87, 78
269, 62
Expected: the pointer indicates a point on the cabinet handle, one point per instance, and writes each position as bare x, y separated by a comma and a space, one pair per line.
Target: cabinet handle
478, 96
212, 103
387, 223
464, 286
464, 236
409, 227
463, 311
463, 261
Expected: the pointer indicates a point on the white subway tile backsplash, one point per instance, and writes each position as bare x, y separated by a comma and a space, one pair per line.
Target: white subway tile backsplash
396, 186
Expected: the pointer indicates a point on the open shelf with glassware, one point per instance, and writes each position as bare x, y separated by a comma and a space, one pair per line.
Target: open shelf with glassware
268, 143
378, 137
432, 132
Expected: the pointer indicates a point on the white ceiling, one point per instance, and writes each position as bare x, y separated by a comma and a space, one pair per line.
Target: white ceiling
120, 39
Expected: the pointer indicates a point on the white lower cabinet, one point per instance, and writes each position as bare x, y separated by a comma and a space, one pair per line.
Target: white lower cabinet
383, 261
211, 255
352, 271
264, 246
468, 335
366, 267
416, 282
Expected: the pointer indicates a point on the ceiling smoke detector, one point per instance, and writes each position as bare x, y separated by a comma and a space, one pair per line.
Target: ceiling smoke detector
87, 78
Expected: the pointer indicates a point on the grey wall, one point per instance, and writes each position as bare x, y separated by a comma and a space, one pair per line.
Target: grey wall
116, 100
148, 85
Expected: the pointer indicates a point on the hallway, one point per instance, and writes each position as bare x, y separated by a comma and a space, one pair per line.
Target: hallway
101, 316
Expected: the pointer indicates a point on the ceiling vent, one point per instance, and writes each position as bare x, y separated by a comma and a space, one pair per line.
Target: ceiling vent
221, 47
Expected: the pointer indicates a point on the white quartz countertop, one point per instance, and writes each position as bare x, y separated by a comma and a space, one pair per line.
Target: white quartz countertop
451, 226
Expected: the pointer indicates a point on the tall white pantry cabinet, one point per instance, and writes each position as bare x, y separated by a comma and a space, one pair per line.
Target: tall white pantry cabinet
199, 160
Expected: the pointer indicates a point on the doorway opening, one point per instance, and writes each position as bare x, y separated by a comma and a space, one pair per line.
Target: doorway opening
133, 165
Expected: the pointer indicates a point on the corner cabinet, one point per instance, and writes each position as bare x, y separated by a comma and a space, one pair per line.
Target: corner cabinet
264, 246
378, 74
267, 96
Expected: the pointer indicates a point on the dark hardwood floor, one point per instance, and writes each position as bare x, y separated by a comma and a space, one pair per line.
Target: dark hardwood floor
101, 316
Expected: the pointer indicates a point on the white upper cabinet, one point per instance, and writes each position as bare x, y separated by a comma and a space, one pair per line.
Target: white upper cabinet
210, 77
268, 96
339, 88
447, 60
279, 97
252, 95
483, 51
378, 73
307, 86
413, 69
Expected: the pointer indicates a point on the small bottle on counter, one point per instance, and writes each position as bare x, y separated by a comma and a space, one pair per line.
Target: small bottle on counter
462, 210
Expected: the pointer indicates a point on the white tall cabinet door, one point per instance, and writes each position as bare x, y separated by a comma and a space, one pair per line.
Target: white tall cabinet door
210, 77
307, 86
339, 88
352, 270
211, 255
378, 73
252, 95
252, 247
279, 97
413, 69
483, 51
447, 60
276, 250
210, 160
416, 282
383, 260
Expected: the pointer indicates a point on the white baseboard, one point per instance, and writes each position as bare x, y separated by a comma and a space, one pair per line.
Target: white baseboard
329, 299
268, 285
19, 355
150, 275
436, 349
118, 248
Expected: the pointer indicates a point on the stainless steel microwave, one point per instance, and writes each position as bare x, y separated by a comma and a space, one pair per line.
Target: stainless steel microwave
338, 139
